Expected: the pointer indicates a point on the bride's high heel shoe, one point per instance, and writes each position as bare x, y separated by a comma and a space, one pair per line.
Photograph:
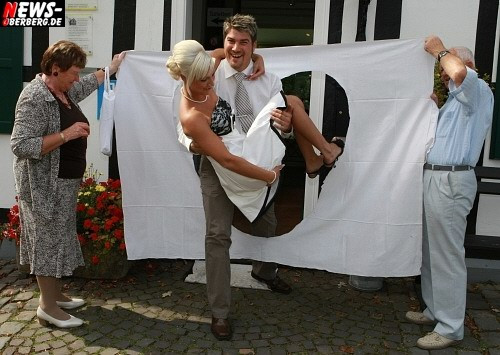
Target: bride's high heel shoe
74, 303
339, 143
44, 319
328, 166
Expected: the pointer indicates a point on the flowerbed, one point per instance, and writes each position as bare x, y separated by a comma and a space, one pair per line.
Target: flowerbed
99, 227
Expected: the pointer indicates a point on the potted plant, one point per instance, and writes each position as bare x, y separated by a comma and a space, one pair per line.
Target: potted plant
100, 229
11, 230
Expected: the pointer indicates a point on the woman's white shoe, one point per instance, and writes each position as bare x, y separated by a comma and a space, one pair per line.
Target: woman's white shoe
74, 303
44, 319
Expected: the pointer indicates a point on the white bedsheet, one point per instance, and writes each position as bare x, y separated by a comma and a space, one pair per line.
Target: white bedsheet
368, 218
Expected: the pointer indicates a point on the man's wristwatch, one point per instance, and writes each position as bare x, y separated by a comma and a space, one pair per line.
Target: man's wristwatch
442, 54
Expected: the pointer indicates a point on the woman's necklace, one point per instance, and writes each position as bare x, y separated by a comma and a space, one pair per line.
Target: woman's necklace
60, 97
193, 100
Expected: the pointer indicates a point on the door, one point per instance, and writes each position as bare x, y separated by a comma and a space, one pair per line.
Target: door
11, 71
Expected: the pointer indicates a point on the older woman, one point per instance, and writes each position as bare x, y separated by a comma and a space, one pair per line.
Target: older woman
49, 141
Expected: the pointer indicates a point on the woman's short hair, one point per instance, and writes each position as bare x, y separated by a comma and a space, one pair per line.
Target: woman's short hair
65, 54
241, 23
189, 60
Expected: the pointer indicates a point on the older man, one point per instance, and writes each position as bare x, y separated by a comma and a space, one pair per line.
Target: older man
449, 191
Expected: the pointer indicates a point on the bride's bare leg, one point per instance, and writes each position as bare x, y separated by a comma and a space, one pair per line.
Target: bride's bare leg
306, 134
313, 161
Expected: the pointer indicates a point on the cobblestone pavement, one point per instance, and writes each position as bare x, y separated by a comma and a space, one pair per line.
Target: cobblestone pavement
153, 311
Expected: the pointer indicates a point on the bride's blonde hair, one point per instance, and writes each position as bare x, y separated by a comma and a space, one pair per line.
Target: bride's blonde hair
189, 60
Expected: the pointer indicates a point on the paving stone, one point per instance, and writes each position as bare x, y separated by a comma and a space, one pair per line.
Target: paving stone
476, 301
93, 336
25, 316
57, 344
491, 294
120, 343
61, 351
16, 342
41, 347
32, 304
9, 328
3, 301
68, 338
9, 291
9, 351
447, 351
77, 344
491, 338
3, 341
4, 317
24, 350
11, 307
144, 342
59, 333
92, 349
39, 329
43, 338
469, 342
23, 296
485, 320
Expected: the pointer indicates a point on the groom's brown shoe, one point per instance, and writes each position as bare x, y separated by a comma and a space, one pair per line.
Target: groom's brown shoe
221, 329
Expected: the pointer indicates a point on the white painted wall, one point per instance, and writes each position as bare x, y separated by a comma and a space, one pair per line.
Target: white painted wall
102, 47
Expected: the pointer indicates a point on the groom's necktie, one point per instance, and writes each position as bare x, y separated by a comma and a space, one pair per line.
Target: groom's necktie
242, 101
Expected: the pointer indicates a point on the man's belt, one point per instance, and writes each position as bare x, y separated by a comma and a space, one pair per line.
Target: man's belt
447, 167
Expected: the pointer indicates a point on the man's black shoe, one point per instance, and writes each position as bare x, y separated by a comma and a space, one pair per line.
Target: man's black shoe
221, 329
275, 285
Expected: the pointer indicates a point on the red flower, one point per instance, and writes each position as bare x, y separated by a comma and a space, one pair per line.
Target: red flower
80, 207
118, 233
91, 211
94, 236
95, 228
117, 212
116, 184
87, 224
108, 224
95, 260
122, 246
107, 245
81, 239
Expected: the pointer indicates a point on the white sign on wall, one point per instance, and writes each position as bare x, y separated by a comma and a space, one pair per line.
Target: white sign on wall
79, 30
217, 15
86, 5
